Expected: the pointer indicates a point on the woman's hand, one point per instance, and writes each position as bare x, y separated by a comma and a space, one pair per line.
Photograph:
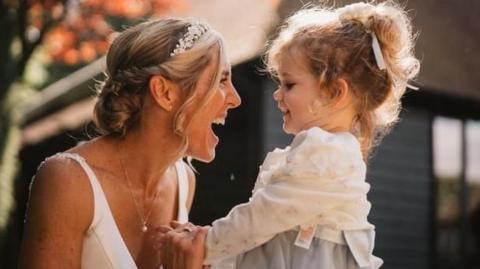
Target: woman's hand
183, 247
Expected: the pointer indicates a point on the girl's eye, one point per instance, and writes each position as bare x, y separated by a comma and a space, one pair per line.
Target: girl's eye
289, 85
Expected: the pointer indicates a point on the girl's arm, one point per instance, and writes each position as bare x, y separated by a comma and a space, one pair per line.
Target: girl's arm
270, 211
320, 174
274, 209
57, 217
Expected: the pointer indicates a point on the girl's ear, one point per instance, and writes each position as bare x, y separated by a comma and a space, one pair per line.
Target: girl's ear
164, 92
342, 95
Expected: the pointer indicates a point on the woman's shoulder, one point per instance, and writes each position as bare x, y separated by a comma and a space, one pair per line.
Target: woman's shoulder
64, 172
61, 184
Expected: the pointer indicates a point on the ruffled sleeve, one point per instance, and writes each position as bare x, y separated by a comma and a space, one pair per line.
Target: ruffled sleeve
361, 244
322, 156
319, 172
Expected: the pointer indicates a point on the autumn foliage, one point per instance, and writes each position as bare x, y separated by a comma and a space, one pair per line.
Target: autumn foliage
84, 32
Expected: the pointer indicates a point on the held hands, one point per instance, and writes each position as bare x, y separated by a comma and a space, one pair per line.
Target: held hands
182, 246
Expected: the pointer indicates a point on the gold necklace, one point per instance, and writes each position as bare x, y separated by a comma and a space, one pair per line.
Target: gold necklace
142, 216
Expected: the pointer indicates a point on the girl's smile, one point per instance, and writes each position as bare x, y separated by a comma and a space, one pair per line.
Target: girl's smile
297, 95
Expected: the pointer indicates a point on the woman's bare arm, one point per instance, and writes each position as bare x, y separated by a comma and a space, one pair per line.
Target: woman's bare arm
60, 210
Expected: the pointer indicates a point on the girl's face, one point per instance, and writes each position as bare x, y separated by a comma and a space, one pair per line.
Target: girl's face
298, 96
202, 139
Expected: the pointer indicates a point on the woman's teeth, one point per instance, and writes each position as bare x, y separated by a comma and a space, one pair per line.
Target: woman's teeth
219, 121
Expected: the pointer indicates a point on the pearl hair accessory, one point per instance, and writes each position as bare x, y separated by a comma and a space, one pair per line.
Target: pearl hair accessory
194, 32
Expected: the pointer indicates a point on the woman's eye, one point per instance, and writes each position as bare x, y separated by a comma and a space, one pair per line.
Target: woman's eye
223, 81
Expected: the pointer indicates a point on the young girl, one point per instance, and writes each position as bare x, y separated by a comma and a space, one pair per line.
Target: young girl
342, 73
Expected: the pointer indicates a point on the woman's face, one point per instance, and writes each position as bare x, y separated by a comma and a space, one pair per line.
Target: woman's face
202, 139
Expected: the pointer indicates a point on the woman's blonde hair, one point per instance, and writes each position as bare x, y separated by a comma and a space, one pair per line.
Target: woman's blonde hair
337, 43
142, 51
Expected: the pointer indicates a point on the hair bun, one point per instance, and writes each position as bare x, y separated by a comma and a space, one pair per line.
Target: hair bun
393, 28
115, 110
361, 12
110, 85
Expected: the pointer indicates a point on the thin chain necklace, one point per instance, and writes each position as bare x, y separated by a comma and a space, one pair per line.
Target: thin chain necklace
143, 217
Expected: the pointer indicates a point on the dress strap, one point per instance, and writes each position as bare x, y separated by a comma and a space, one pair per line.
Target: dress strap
103, 227
182, 215
96, 188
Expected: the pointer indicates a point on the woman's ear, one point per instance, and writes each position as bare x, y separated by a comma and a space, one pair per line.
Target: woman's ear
164, 92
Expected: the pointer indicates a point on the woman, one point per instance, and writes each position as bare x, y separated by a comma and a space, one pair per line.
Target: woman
98, 205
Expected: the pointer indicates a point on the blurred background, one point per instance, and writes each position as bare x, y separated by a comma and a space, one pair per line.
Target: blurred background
425, 176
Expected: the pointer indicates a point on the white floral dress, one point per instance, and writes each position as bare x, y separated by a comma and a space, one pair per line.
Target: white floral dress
317, 182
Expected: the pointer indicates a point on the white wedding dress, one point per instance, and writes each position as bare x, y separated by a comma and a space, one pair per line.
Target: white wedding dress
103, 246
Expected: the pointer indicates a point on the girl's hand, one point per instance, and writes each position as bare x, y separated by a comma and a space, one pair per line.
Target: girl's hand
183, 247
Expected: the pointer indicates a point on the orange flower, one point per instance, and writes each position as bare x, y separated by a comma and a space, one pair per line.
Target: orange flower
71, 57
87, 51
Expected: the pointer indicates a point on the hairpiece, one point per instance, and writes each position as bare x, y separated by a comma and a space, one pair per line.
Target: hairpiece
377, 52
194, 32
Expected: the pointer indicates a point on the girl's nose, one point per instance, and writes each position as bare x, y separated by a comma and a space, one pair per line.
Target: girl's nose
277, 95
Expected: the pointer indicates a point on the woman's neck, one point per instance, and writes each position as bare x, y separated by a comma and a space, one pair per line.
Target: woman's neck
146, 156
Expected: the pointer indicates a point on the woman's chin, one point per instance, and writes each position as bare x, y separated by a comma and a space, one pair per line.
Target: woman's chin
204, 154
205, 158
204, 151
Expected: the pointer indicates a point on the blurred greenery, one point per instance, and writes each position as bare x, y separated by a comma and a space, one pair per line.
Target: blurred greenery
17, 46
11, 118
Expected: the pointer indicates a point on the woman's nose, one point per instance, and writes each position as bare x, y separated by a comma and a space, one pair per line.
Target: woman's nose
233, 99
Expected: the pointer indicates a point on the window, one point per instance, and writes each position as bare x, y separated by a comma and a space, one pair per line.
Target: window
473, 193
456, 165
